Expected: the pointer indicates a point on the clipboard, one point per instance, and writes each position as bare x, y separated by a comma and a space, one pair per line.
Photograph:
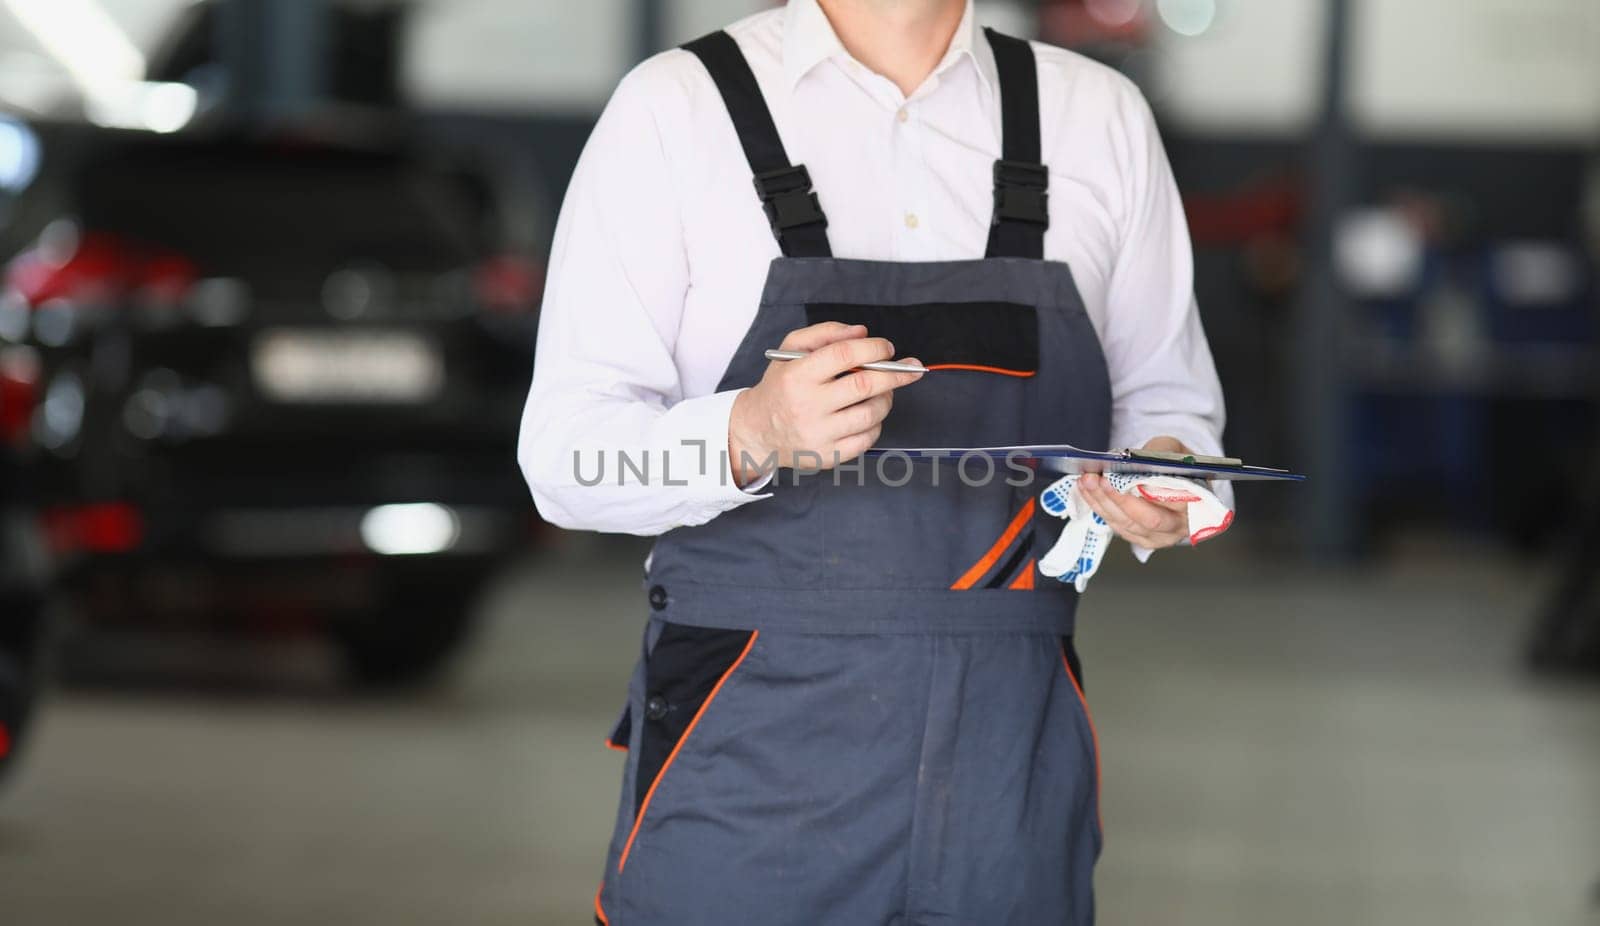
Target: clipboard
1065, 458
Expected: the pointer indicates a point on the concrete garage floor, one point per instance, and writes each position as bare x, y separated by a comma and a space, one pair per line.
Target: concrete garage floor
1307, 748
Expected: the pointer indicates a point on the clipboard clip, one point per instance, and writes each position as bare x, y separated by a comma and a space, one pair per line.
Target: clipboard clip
1165, 456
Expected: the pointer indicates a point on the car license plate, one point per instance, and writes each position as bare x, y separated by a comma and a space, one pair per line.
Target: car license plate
346, 366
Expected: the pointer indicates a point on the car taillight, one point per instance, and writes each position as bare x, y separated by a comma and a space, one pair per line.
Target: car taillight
19, 392
68, 266
508, 283
166, 279
105, 527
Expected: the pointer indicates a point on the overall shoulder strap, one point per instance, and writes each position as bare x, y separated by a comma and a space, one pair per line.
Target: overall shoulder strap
785, 190
1021, 182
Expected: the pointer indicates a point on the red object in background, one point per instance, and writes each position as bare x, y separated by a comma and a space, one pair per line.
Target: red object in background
166, 277
1274, 207
508, 283
105, 527
19, 391
1079, 23
5, 741
100, 267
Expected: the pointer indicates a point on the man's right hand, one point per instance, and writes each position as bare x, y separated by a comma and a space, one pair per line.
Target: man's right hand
819, 411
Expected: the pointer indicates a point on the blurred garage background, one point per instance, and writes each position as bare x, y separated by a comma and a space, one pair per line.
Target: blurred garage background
282, 640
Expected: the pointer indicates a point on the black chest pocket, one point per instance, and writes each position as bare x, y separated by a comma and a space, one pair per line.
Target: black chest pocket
984, 353
1001, 338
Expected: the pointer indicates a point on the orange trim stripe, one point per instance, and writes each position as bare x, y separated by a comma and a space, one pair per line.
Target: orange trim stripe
981, 369
614, 747
1024, 579
1093, 737
987, 561
644, 806
599, 911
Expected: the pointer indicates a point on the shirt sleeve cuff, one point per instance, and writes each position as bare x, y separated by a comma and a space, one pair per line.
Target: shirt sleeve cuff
704, 421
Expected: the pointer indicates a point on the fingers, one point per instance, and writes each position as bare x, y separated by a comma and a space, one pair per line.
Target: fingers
1113, 515
862, 385
836, 349
823, 404
1134, 519
856, 444
862, 416
1149, 517
826, 363
820, 335
1140, 515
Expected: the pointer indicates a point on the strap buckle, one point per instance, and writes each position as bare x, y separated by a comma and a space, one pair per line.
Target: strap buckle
787, 198
1020, 193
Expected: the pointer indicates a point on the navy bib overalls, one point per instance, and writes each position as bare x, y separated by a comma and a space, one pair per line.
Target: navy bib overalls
855, 704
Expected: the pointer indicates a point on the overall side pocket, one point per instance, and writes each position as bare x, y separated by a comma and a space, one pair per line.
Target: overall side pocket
684, 672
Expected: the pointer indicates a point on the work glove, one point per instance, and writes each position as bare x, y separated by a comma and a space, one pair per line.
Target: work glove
1076, 556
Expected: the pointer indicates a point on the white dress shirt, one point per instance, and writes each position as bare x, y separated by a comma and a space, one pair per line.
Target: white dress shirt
661, 251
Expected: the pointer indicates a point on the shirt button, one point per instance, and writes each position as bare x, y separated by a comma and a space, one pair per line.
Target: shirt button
658, 597
904, 115
656, 708
911, 220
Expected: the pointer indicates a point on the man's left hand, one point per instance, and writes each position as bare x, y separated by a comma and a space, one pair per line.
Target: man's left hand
1140, 522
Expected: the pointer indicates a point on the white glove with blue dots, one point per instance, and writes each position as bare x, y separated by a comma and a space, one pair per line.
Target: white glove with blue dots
1076, 556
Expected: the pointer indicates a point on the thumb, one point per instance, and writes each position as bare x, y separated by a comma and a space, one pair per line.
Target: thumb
1165, 444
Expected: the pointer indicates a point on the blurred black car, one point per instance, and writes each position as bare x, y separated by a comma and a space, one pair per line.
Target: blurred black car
277, 388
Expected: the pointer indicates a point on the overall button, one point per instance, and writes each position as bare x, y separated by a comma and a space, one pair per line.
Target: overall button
911, 220
903, 115
658, 597
656, 708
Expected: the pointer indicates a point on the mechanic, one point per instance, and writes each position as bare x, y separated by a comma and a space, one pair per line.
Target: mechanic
857, 702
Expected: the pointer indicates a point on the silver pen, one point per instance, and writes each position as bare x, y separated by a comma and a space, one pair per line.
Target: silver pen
881, 366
